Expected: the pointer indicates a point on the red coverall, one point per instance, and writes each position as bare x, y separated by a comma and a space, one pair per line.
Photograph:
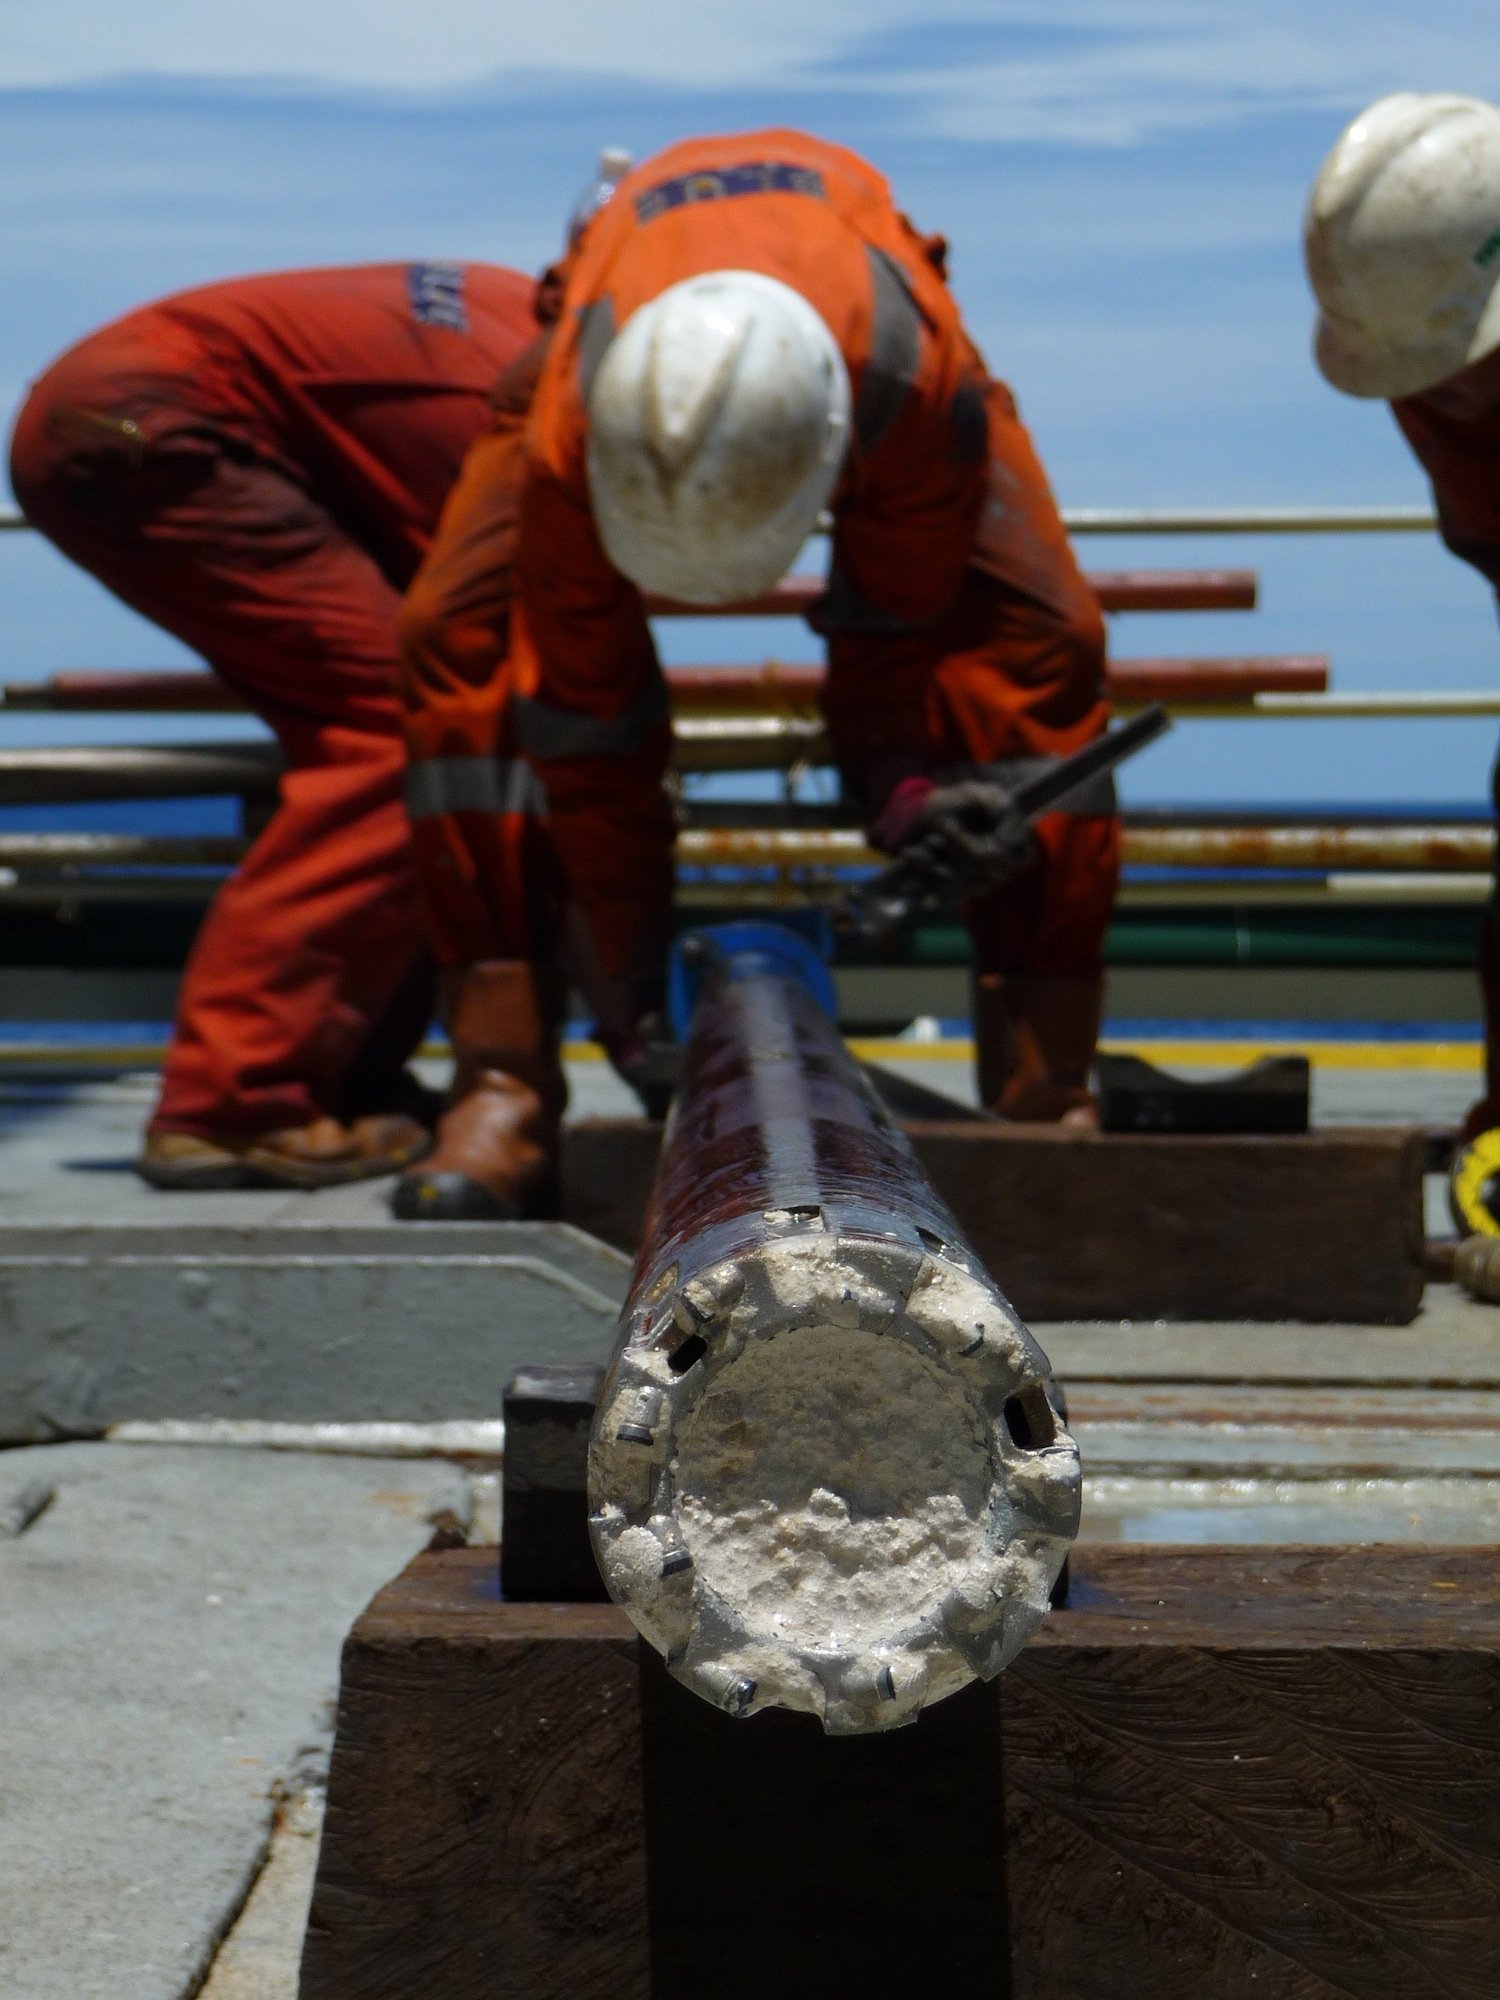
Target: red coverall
959, 627
258, 467
1455, 432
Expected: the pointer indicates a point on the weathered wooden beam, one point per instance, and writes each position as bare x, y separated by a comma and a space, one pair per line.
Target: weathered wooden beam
1261, 1774
1322, 1226
1258, 1774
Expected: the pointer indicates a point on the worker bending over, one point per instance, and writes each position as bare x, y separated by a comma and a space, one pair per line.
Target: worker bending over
258, 466
1403, 251
747, 333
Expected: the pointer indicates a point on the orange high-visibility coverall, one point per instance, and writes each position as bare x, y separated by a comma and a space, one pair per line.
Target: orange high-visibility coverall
959, 627
258, 466
1455, 432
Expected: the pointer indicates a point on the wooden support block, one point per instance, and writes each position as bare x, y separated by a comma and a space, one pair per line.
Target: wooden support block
1324, 1226
1079, 1225
484, 1834
1256, 1774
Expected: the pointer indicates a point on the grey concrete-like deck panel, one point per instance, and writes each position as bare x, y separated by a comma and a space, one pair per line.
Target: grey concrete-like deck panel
103, 1324
169, 1642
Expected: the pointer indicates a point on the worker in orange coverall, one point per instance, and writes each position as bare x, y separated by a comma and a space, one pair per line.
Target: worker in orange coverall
258, 467
748, 332
1403, 252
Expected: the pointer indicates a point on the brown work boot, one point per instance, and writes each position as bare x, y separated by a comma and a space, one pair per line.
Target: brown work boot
326, 1153
497, 1142
1035, 1035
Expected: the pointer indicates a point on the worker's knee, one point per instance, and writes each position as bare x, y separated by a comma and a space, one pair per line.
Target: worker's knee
36, 460
418, 626
108, 436
446, 648
431, 642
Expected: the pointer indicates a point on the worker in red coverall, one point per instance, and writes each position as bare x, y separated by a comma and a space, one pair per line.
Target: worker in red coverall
749, 331
258, 466
1403, 252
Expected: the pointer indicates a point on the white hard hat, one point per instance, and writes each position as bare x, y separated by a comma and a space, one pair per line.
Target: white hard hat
718, 421
1403, 245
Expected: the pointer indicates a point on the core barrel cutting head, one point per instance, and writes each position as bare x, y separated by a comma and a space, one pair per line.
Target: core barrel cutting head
826, 1473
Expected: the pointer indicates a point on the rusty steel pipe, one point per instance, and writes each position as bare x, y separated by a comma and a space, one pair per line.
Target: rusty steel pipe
1461, 849
825, 1471
1428, 849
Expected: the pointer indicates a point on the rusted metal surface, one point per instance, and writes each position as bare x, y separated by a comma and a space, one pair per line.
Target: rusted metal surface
1432, 848
813, 1370
1459, 850
821, 847
1425, 848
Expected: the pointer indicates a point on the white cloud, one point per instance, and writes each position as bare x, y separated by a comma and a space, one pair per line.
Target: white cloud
1157, 66
434, 44
1099, 72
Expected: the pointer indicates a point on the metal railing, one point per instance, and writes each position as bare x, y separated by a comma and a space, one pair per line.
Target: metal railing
769, 720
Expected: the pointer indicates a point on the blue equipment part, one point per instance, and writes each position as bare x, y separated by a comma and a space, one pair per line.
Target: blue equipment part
743, 951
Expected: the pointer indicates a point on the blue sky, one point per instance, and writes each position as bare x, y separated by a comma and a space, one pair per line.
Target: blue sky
1121, 181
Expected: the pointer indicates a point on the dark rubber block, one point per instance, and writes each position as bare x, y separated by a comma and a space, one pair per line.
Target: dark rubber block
1271, 1096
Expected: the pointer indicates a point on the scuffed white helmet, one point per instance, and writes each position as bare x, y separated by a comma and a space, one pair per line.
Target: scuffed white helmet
1403, 245
718, 421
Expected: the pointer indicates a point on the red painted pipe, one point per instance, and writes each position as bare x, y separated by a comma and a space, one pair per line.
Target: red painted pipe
772, 687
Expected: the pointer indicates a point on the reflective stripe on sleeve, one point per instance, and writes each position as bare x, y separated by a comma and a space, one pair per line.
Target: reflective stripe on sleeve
441, 785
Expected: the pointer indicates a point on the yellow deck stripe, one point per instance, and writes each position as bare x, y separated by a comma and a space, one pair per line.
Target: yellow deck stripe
1189, 1052
1467, 1057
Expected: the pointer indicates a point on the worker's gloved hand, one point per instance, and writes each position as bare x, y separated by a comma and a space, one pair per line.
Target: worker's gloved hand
645, 1056
966, 832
